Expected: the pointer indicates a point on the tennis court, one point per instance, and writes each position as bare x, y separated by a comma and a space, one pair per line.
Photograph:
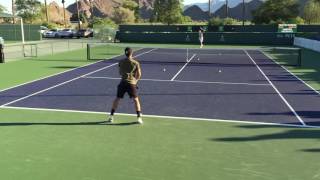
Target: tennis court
238, 85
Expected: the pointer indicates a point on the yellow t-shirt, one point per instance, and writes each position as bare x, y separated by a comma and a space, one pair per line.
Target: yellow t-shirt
128, 69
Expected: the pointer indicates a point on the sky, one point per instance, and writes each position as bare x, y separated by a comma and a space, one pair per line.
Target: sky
7, 3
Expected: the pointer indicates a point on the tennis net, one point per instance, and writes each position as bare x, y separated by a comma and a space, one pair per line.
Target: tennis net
175, 54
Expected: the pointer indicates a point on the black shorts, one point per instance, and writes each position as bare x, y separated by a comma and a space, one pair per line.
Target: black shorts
125, 87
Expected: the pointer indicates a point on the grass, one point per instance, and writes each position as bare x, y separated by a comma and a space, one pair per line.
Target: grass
11, 42
48, 145
310, 69
39, 145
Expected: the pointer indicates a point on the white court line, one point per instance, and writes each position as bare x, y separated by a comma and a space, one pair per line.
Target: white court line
29, 82
275, 88
183, 67
271, 58
180, 81
164, 117
198, 53
60, 84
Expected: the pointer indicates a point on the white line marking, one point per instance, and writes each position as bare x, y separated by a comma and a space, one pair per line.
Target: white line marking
29, 82
164, 117
60, 84
274, 87
183, 67
180, 81
271, 58
199, 53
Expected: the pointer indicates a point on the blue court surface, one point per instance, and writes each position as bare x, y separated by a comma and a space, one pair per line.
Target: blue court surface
207, 84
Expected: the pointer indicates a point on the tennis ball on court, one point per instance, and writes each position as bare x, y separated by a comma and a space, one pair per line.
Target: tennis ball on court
220, 71
164, 70
198, 59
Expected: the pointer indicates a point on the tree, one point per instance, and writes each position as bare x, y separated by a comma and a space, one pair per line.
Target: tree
2, 9
168, 11
46, 10
29, 10
97, 21
311, 11
83, 18
13, 8
133, 6
216, 21
276, 11
123, 15
297, 20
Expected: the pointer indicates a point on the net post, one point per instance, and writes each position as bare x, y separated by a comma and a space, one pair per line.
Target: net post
88, 52
1, 53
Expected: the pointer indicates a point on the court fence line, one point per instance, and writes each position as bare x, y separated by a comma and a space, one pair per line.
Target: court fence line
19, 51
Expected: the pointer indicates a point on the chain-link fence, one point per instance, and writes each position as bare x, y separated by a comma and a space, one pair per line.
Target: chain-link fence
14, 52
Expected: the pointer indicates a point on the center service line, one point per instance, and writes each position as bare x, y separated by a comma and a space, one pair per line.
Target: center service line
175, 76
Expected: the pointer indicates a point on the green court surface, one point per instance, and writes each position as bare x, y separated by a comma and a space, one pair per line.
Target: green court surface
10, 42
49, 145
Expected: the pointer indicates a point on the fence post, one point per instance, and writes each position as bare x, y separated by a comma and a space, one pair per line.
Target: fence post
1, 51
51, 48
88, 52
300, 58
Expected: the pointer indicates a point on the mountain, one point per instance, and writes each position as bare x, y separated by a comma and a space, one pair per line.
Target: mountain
202, 6
236, 12
104, 8
197, 10
217, 4
196, 13
56, 13
101, 8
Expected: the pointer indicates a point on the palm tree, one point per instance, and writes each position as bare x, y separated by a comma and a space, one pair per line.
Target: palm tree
13, 4
227, 9
243, 12
91, 8
64, 13
46, 9
209, 4
79, 25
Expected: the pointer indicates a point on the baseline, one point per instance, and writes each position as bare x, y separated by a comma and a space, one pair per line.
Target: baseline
165, 117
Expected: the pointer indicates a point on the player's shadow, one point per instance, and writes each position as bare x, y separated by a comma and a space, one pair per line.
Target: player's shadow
303, 114
315, 150
98, 123
292, 133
